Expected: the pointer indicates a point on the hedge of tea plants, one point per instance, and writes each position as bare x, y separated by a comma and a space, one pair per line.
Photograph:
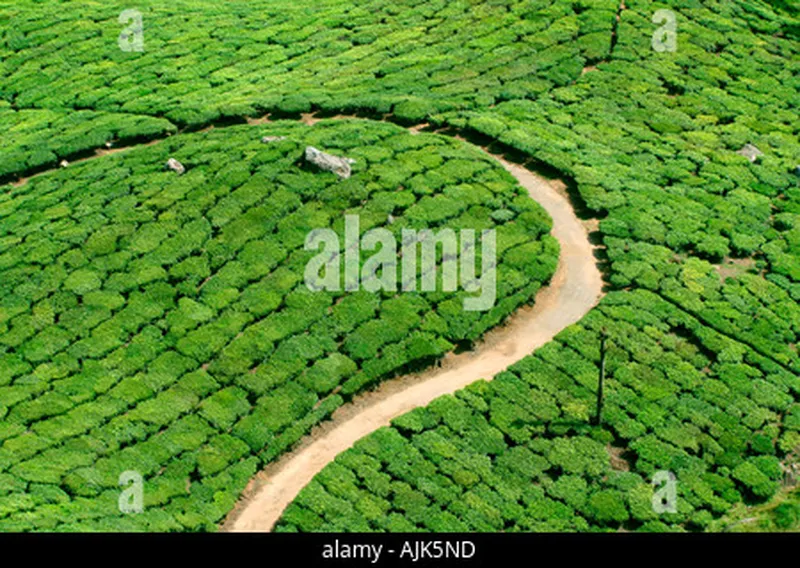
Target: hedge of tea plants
652, 141
204, 63
35, 139
520, 453
160, 323
248, 56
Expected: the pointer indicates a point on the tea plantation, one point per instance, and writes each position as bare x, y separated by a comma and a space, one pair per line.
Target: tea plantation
159, 323
520, 454
135, 303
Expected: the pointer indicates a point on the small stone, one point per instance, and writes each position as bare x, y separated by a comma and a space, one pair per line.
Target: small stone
390, 219
268, 139
175, 166
338, 165
108, 144
750, 152
63, 163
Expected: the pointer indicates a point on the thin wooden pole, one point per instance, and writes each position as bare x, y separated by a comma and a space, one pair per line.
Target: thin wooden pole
601, 377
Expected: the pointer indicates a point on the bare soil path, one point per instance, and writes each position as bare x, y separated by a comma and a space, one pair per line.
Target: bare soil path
574, 289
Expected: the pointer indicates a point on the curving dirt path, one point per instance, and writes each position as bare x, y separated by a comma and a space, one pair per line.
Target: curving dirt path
574, 289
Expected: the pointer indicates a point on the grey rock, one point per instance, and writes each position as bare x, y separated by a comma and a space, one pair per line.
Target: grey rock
750, 152
63, 163
268, 139
175, 166
338, 165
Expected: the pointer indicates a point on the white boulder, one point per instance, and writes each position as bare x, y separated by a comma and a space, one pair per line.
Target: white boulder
336, 164
175, 166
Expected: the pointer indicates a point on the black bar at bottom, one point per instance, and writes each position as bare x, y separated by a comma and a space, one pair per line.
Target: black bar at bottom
415, 549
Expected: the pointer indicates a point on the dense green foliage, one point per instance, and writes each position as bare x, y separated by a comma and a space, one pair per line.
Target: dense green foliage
703, 255
709, 384
34, 139
519, 453
161, 323
201, 63
650, 140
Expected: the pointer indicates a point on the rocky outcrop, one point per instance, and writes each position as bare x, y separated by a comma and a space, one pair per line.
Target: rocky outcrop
750, 152
175, 166
338, 165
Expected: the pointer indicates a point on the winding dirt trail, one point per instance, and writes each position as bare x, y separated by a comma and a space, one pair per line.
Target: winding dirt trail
574, 289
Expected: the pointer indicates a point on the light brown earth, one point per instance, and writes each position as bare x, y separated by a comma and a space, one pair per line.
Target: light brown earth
574, 289
734, 267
